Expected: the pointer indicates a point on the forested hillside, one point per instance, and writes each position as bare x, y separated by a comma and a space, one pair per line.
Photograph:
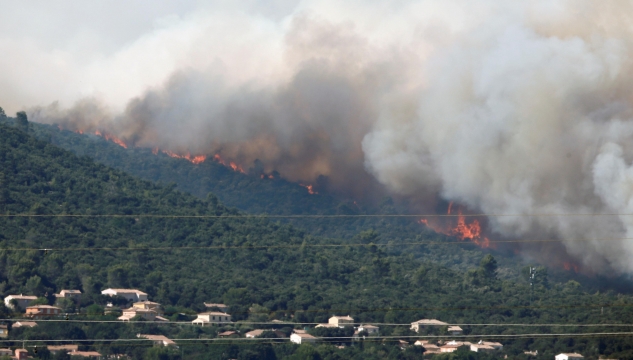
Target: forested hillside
252, 194
262, 269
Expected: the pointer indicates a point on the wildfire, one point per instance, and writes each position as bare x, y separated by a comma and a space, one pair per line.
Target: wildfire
198, 159
230, 164
112, 138
569, 266
310, 189
264, 176
463, 230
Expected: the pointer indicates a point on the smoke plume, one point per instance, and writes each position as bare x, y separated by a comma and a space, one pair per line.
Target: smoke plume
518, 108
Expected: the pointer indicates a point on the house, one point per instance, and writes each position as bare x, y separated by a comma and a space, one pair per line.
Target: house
452, 346
129, 294
569, 356
403, 344
158, 340
327, 326
69, 294
148, 305
221, 307
4, 331
495, 345
254, 333
6, 352
531, 353
24, 324
42, 311
213, 317
481, 348
229, 333
455, 330
302, 337
21, 354
258, 332
145, 314
22, 300
341, 321
86, 354
415, 326
370, 329
54, 349
428, 347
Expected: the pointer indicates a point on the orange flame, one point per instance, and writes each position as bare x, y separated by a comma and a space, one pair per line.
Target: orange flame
310, 189
463, 230
569, 266
109, 137
230, 164
198, 159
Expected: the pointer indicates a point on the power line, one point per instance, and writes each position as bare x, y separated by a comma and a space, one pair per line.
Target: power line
314, 323
317, 216
210, 247
330, 338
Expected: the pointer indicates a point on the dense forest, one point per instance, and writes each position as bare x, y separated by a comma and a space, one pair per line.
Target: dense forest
183, 250
251, 193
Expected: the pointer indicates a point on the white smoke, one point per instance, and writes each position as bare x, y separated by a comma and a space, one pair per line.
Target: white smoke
517, 107
523, 117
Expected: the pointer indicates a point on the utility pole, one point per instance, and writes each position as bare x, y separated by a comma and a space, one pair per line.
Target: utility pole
531, 278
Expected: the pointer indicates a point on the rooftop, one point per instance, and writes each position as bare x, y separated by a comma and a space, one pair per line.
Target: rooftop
217, 313
25, 297
429, 322
127, 291
42, 307
162, 338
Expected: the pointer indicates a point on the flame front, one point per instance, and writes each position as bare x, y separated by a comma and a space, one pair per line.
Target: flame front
463, 230
569, 266
194, 159
310, 189
230, 164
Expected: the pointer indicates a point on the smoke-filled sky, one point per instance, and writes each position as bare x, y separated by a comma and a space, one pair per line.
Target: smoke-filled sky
506, 107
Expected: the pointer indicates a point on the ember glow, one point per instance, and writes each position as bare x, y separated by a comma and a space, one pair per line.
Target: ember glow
198, 159
230, 164
112, 138
463, 230
570, 266
310, 189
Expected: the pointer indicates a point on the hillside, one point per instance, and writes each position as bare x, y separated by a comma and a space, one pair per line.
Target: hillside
251, 193
182, 262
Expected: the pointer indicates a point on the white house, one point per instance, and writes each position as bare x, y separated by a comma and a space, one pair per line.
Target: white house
146, 314
130, 294
416, 325
341, 321
213, 317
568, 356
495, 345
300, 338
22, 300
68, 294
158, 340
481, 348
455, 330
370, 329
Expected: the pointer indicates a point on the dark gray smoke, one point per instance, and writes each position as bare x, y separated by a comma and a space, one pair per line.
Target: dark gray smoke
511, 108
